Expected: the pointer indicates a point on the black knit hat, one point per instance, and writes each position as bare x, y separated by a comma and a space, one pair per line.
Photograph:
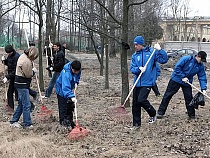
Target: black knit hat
9, 48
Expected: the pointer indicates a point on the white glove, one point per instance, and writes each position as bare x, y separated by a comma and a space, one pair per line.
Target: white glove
50, 45
51, 68
204, 92
5, 80
74, 100
34, 70
185, 80
157, 46
143, 69
3, 58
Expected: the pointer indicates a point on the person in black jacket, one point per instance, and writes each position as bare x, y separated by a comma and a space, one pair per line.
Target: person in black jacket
56, 66
10, 62
63, 48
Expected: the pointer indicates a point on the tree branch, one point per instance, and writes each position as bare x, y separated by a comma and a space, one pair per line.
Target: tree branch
139, 3
110, 14
7, 11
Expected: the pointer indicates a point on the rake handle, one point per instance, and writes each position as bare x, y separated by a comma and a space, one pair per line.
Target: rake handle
75, 110
51, 51
138, 78
37, 81
198, 89
46, 55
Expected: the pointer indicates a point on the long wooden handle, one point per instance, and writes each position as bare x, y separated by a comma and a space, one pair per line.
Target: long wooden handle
198, 89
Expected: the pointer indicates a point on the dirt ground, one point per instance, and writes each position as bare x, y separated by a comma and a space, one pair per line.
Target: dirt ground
171, 137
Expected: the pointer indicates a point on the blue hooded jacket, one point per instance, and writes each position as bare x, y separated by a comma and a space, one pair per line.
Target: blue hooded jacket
140, 58
66, 82
188, 67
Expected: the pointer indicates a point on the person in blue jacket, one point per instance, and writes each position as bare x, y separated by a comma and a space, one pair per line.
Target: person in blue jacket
155, 87
147, 79
65, 84
185, 69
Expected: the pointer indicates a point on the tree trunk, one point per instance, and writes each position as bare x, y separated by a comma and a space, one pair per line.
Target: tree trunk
48, 21
41, 81
124, 65
112, 50
107, 64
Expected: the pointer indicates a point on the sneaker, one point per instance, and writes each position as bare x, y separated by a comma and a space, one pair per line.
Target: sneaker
191, 118
65, 123
29, 127
134, 128
44, 97
152, 119
15, 124
159, 116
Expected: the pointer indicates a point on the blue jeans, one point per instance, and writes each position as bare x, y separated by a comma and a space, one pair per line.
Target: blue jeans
52, 84
23, 108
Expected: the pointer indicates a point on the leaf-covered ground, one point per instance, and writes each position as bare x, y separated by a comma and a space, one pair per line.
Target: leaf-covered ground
173, 136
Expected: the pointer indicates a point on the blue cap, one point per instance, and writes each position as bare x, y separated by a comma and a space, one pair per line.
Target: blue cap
139, 40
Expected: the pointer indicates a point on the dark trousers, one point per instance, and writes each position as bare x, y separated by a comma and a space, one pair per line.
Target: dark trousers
10, 91
155, 89
140, 95
172, 89
65, 111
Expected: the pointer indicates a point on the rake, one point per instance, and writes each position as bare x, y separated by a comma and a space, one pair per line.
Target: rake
119, 113
44, 113
77, 132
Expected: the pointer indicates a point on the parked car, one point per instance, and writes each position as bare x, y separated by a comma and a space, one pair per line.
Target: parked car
182, 52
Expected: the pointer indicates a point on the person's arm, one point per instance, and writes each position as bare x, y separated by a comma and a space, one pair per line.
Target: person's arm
202, 78
67, 88
161, 56
134, 68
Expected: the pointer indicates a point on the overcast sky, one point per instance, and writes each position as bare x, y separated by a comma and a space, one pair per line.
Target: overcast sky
200, 7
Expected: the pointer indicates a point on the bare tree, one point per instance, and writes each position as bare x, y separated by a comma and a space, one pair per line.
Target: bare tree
37, 6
